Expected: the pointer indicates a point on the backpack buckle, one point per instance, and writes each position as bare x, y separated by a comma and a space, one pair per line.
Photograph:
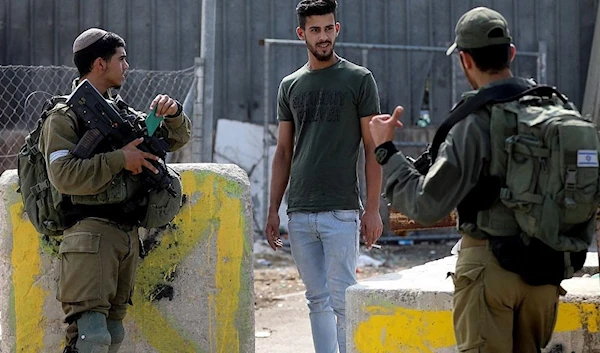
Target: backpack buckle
509, 144
570, 203
570, 182
38, 188
571, 179
51, 226
505, 194
31, 148
34, 149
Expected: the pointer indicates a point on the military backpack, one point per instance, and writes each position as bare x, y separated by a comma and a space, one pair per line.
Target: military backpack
42, 202
544, 162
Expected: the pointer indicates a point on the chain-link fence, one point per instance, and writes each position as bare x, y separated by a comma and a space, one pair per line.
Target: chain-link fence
24, 89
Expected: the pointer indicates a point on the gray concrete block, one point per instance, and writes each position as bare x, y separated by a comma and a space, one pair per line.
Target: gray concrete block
206, 258
412, 311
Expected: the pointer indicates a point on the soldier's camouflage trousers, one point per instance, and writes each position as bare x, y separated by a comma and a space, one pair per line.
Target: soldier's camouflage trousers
495, 310
98, 263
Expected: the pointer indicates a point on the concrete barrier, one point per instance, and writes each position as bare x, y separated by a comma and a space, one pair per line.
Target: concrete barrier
590, 266
411, 311
194, 289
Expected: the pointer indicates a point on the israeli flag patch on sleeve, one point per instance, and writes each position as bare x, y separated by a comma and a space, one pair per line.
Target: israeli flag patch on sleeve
587, 159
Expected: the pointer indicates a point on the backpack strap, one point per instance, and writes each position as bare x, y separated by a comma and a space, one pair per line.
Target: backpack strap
569, 269
32, 140
497, 94
51, 103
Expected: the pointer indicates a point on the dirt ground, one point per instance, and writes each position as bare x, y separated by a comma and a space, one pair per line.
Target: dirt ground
275, 274
281, 316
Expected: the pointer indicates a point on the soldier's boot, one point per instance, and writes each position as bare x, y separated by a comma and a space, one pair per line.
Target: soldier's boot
117, 334
93, 333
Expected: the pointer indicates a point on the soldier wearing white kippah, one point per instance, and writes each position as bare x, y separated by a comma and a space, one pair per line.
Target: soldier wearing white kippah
100, 247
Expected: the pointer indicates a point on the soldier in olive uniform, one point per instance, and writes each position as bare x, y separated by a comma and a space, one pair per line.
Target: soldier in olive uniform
99, 252
495, 310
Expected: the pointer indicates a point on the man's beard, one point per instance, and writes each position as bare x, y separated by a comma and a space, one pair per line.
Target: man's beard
116, 85
317, 55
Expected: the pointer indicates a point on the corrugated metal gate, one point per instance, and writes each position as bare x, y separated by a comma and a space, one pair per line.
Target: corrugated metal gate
165, 35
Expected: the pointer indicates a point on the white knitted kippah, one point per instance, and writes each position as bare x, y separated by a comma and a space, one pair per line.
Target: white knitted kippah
87, 38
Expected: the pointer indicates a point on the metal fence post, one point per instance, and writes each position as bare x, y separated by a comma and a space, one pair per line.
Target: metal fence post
541, 61
207, 53
266, 139
198, 112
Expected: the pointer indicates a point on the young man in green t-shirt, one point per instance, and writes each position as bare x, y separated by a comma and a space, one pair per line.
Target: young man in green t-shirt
324, 109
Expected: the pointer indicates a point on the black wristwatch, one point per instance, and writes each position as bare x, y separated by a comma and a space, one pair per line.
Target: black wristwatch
384, 152
177, 113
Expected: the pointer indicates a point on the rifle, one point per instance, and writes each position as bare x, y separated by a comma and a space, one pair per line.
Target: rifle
104, 123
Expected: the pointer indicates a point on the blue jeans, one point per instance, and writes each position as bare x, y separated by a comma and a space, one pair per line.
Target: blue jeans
325, 248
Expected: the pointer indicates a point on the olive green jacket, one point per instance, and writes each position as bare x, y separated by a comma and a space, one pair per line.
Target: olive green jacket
457, 169
74, 176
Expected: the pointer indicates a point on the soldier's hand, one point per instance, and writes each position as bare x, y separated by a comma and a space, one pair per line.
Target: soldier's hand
383, 126
136, 159
165, 105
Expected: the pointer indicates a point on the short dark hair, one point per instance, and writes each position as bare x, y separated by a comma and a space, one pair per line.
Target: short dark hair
104, 48
308, 8
490, 59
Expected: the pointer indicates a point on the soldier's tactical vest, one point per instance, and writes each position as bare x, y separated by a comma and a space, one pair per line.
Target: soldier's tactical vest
52, 212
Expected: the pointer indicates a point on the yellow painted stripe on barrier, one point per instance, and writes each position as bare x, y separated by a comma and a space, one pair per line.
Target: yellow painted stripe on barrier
404, 330
214, 213
193, 224
29, 297
394, 329
156, 330
590, 311
230, 252
573, 317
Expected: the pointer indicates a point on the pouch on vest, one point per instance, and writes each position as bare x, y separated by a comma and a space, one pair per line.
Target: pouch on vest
162, 207
123, 187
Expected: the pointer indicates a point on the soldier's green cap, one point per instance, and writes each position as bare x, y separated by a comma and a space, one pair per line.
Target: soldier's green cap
87, 38
480, 27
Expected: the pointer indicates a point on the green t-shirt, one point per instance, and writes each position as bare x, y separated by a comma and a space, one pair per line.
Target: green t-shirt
326, 107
